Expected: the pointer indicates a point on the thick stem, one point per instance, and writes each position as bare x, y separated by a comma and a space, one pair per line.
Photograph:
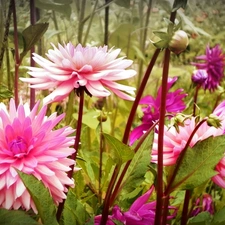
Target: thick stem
159, 203
100, 161
184, 217
32, 50
81, 23
76, 147
17, 57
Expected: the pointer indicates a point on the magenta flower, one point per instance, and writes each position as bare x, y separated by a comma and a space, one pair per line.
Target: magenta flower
141, 212
213, 63
174, 141
90, 68
174, 104
203, 204
29, 143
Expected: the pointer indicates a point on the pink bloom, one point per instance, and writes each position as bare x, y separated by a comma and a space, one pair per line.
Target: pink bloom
204, 204
174, 141
213, 63
174, 104
74, 67
30, 143
141, 212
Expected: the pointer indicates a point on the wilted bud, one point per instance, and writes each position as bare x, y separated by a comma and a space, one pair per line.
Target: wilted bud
214, 121
178, 42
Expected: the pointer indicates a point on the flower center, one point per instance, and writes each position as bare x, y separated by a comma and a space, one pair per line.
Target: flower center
18, 147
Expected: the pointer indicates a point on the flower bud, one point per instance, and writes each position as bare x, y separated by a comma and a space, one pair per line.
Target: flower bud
214, 121
178, 42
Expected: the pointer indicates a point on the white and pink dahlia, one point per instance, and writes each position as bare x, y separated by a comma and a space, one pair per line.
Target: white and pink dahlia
29, 143
70, 67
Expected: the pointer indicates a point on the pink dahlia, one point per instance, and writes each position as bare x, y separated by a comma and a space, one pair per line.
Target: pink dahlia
213, 64
72, 67
141, 212
174, 141
151, 108
29, 143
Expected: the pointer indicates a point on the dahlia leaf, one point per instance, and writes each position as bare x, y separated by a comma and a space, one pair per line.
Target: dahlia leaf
16, 217
121, 152
202, 218
139, 165
199, 162
32, 35
219, 217
74, 212
41, 197
5, 93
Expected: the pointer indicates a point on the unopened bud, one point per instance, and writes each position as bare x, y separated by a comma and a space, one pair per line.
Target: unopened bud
179, 42
102, 118
214, 121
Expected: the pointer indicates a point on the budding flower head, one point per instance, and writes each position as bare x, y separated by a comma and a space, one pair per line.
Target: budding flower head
213, 120
178, 42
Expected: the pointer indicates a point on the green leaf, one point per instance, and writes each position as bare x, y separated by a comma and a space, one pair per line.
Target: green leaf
179, 4
219, 217
32, 35
74, 212
139, 165
5, 92
161, 34
16, 217
121, 152
161, 44
199, 162
41, 197
202, 218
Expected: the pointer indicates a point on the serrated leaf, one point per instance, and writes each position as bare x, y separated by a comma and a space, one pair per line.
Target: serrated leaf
16, 217
41, 197
179, 4
139, 164
32, 35
219, 217
202, 218
199, 162
74, 212
121, 152
5, 92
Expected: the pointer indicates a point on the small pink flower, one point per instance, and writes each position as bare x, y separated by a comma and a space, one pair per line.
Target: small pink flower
74, 67
212, 63
30, 143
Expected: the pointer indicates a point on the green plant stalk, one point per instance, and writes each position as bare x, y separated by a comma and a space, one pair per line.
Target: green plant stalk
90, 22
76, 147
101, 145
17, 57
106, 27
56, 26
159, 188
32, 50
195, 99
81, 23
107, 200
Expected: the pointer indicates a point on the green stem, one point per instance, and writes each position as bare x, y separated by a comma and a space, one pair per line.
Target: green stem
90, 22
195, 99
81, 23
100, 161
17, 57
106, 27
56, 26
76, 147
32, 50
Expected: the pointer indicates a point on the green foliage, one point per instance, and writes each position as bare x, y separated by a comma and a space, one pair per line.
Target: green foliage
202, 218
198, 163
121, 153
16, 217
123, 3
219, 217
41, 197
5, 93
31, 35
74, 212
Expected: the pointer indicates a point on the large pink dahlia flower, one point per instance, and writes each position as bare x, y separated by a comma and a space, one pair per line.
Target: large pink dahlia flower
73, 67
29, 143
